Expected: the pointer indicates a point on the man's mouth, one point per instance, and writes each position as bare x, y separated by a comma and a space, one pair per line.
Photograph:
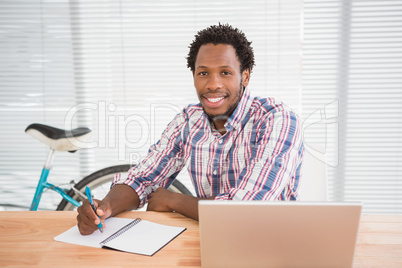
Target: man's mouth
214, 100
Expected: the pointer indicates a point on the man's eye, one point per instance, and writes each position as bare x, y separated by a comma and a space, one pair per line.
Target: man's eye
226, 73
202, 73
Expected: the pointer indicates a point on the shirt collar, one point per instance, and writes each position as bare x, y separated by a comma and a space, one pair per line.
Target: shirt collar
241, 110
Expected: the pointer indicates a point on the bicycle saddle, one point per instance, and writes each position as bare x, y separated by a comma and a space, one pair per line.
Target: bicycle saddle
60, 139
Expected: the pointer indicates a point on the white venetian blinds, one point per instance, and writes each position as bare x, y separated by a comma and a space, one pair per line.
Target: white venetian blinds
119, 68
353, 65
36, 86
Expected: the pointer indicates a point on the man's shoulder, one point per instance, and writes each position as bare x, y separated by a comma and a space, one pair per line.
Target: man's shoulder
268, 105
193, 110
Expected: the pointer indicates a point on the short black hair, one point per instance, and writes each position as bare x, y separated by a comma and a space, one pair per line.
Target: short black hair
223, 34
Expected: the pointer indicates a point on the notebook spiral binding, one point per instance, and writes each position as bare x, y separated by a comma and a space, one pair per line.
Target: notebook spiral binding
122, 230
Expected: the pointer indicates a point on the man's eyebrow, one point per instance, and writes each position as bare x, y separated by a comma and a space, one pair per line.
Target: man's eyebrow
223, 66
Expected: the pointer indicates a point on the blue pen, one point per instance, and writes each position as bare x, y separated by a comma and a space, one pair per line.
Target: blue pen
89, 195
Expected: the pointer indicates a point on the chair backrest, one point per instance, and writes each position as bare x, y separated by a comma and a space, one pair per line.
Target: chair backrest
313, 184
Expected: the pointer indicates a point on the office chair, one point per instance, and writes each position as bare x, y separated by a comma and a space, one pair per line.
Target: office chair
313, 185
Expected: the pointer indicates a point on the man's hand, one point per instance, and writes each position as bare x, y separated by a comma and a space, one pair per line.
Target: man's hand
167, 201
87, 219
161, 200
120, 198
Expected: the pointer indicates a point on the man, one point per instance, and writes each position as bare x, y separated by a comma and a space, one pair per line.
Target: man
237, 147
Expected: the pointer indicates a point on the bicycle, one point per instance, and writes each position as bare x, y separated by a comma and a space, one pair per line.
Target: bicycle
99, 182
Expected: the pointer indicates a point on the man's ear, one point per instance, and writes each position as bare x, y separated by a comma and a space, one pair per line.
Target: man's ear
245, 77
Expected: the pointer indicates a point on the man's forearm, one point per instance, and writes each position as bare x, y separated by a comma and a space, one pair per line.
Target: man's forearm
166, 201
186, 205
122, 198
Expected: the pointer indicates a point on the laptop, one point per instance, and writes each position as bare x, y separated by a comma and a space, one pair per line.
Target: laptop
278, 234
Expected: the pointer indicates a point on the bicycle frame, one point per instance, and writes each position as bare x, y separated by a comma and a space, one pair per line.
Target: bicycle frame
43, 184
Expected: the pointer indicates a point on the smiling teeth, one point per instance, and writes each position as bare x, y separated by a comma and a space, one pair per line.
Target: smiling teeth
214, 99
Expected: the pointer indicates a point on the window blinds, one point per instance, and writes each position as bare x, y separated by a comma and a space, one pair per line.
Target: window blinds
119, 68
36, 85
352, 64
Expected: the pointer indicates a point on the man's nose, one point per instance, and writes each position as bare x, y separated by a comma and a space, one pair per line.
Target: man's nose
214, 82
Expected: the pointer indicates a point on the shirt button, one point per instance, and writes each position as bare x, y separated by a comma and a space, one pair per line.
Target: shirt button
215, 172
220, 141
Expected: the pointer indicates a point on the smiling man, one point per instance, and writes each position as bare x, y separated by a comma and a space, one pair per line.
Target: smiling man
219, 82
236, 147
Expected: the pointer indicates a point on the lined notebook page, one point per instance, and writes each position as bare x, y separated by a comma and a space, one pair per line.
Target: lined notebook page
145, 238
73, 236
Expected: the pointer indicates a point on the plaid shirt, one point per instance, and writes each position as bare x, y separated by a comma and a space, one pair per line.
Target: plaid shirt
258, 158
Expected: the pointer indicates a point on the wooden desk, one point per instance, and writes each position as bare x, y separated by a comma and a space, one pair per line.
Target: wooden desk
26, 239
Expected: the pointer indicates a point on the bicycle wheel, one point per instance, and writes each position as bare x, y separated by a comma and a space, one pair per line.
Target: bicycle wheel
100, 182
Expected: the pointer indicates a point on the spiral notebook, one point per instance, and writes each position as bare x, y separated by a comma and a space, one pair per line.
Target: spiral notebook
134, 236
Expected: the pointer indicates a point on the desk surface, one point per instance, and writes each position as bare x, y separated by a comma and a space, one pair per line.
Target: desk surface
26, 239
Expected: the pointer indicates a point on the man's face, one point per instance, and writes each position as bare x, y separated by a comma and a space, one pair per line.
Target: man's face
218, 80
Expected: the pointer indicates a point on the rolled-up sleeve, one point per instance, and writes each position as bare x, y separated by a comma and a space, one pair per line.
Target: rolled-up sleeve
161, 165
